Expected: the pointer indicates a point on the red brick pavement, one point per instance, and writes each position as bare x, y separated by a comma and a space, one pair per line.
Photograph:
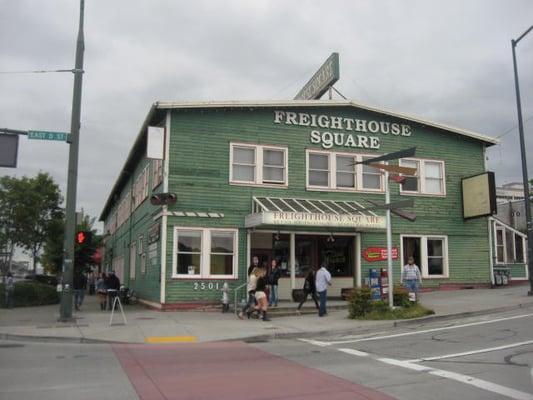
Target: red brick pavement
230, 370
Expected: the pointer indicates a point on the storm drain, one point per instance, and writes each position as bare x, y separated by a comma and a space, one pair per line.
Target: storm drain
10, 345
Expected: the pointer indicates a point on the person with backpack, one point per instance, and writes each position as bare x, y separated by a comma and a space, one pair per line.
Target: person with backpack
309, 289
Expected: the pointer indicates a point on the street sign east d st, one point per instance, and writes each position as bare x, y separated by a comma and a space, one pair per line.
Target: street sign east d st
48, 135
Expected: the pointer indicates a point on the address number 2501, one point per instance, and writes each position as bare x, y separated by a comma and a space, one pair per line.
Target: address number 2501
205, 286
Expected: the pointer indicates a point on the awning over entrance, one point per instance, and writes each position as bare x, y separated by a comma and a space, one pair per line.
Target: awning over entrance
306, 212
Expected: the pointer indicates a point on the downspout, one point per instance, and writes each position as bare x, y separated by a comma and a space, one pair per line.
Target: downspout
164, 218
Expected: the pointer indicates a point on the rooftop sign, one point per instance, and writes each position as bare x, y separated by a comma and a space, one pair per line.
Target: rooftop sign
325, 77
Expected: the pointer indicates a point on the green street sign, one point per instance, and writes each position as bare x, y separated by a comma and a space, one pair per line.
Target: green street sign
48, 135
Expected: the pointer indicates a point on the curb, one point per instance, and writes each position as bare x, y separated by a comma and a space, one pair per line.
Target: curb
384, 324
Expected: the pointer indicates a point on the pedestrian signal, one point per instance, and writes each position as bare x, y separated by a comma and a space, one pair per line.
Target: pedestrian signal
84, 237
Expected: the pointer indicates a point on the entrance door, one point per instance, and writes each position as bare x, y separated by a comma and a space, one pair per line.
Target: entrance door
412, 248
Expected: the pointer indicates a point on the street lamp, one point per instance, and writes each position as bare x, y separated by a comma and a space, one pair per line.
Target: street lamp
529, 225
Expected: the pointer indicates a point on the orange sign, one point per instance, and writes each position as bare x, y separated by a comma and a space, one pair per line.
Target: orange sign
373, 254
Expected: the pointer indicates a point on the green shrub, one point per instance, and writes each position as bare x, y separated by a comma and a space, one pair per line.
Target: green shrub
360, 302
401, 297
32, 294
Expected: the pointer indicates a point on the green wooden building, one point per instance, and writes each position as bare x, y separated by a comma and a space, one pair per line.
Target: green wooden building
280, 180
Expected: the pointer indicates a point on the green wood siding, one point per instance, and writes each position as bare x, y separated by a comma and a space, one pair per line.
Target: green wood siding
199, 174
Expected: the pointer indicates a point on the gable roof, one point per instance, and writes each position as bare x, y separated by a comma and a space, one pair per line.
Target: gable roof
159, 108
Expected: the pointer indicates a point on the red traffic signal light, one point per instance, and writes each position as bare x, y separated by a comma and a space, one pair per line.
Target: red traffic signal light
83, 237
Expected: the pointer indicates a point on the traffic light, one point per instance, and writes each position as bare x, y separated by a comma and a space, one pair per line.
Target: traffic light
84, 237
162, 199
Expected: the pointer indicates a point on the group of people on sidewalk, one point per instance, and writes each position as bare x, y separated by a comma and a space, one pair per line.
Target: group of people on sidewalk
262, 289
106, 287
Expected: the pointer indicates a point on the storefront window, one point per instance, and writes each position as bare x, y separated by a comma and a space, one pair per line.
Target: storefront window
435, 257
499, 246
519, 248
189, 252
204, 253
430, 254
221, 253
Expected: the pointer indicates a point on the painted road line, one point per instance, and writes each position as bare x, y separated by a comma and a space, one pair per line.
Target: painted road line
354, 352
420, 332
482, 384
315, 342
466, 379
468, 353
170, 339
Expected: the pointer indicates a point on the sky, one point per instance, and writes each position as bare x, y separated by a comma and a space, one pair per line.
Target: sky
447, 61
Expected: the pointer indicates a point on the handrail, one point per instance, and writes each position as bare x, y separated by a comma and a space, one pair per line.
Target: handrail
236, 292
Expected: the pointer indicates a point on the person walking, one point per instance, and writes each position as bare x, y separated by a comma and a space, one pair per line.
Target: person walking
250, 288
79, 285
101, 290
91, 280
273, 280
309, 289
410, 277
322, 281
10, 290
113, 286
260, 294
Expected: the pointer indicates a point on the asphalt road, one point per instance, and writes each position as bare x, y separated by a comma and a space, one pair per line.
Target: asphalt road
481, 358
487, 357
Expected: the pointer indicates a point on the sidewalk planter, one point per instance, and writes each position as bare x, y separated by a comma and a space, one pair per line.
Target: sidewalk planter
283, 180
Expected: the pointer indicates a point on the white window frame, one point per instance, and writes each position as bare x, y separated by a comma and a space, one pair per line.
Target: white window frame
421, 176
259, 165
133, 259
424, 254
157, 173
332, 173
140, 245
505, 231
205, 254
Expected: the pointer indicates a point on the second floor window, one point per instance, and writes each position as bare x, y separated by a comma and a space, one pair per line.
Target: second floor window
429, 179
338, 171
258, 164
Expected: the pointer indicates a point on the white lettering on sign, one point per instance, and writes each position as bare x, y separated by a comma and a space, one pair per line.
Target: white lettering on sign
316, 219
328, 139
205, 286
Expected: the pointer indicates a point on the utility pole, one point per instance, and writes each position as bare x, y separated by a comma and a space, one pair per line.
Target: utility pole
529, 224
65, 312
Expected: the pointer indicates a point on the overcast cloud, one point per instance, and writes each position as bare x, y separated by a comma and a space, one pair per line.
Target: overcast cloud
447, 61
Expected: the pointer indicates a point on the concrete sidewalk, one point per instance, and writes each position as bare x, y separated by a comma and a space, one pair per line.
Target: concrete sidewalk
144, 325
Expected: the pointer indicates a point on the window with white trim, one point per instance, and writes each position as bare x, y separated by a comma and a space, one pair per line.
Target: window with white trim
429, 179
339, 171
509, 246
430, 254
258, 164
133, 258
205, 253
140, 187
157, 173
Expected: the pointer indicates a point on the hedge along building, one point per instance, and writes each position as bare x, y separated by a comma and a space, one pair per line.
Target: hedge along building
278, 180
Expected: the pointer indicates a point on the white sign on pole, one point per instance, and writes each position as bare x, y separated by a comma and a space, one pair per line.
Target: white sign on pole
155, 143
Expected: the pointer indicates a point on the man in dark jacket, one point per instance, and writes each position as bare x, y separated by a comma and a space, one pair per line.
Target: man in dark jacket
79, 284
113, 285
273, 278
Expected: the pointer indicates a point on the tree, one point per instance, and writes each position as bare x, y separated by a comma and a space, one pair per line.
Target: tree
12, 192
42, 207
29, 207
52, 258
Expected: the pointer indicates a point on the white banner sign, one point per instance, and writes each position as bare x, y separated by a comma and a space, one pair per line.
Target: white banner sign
312, 219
